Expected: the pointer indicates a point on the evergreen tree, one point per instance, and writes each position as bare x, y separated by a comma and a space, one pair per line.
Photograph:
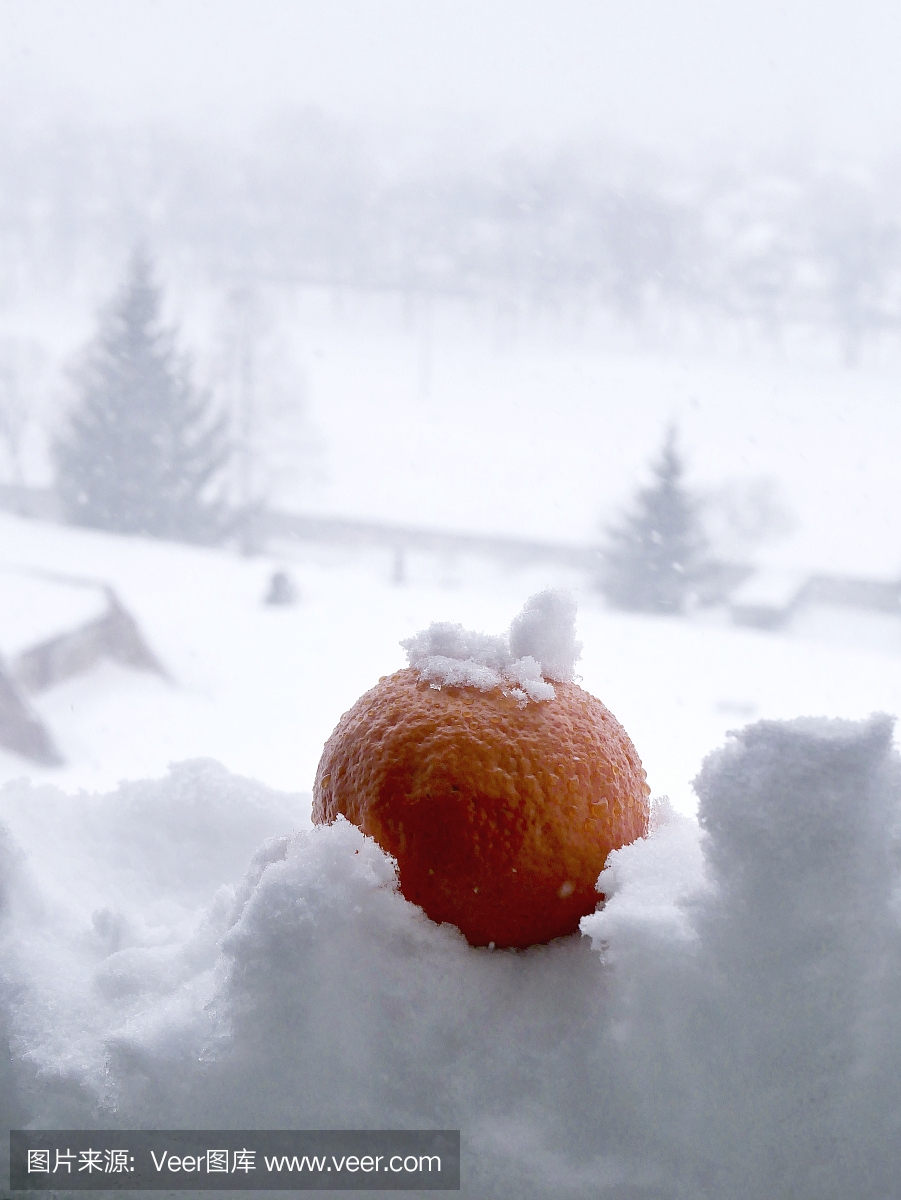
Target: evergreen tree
653, 555
142, 448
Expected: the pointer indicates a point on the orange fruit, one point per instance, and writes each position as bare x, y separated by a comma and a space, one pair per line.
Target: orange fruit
501, 816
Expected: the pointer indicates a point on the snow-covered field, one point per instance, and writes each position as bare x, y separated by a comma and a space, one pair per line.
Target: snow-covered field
259, 687
468, 417
183, 949
545, 432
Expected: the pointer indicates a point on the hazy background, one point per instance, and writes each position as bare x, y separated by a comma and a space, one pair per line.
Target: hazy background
667, 77
460, 264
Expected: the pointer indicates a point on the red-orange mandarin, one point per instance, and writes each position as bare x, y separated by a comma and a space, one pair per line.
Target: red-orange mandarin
501, 817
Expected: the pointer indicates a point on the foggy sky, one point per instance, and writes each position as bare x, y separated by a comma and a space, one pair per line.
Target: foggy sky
680, 75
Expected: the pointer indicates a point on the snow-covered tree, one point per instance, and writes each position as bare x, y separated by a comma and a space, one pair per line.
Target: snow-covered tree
653, 554
142, 448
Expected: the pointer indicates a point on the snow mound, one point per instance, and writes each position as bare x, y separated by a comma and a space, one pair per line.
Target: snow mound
540, 646
726, 1027
756, 1013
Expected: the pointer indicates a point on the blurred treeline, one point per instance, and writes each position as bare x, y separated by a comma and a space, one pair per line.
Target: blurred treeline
776, 249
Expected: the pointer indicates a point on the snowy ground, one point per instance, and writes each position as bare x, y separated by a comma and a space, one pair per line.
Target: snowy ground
183, 949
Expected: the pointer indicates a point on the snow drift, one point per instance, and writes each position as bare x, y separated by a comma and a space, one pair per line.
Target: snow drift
725, 1027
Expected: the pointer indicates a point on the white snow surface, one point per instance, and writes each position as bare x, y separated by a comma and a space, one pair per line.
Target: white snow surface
180, 953
540, 645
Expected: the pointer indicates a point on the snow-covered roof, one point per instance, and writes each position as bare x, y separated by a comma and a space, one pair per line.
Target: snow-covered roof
770, 587
35, 608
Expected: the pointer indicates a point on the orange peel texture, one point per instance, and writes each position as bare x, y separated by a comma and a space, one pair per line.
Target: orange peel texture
501, 817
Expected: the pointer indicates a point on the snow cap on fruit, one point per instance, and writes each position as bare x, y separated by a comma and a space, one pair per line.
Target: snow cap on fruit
541, 646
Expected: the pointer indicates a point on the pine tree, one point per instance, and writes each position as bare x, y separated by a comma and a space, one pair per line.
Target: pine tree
142, 449
653, 555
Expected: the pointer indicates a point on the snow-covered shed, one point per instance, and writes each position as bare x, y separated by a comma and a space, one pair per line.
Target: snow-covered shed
54, 627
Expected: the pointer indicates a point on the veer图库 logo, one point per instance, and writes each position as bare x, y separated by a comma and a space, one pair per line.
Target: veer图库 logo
235, 1160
